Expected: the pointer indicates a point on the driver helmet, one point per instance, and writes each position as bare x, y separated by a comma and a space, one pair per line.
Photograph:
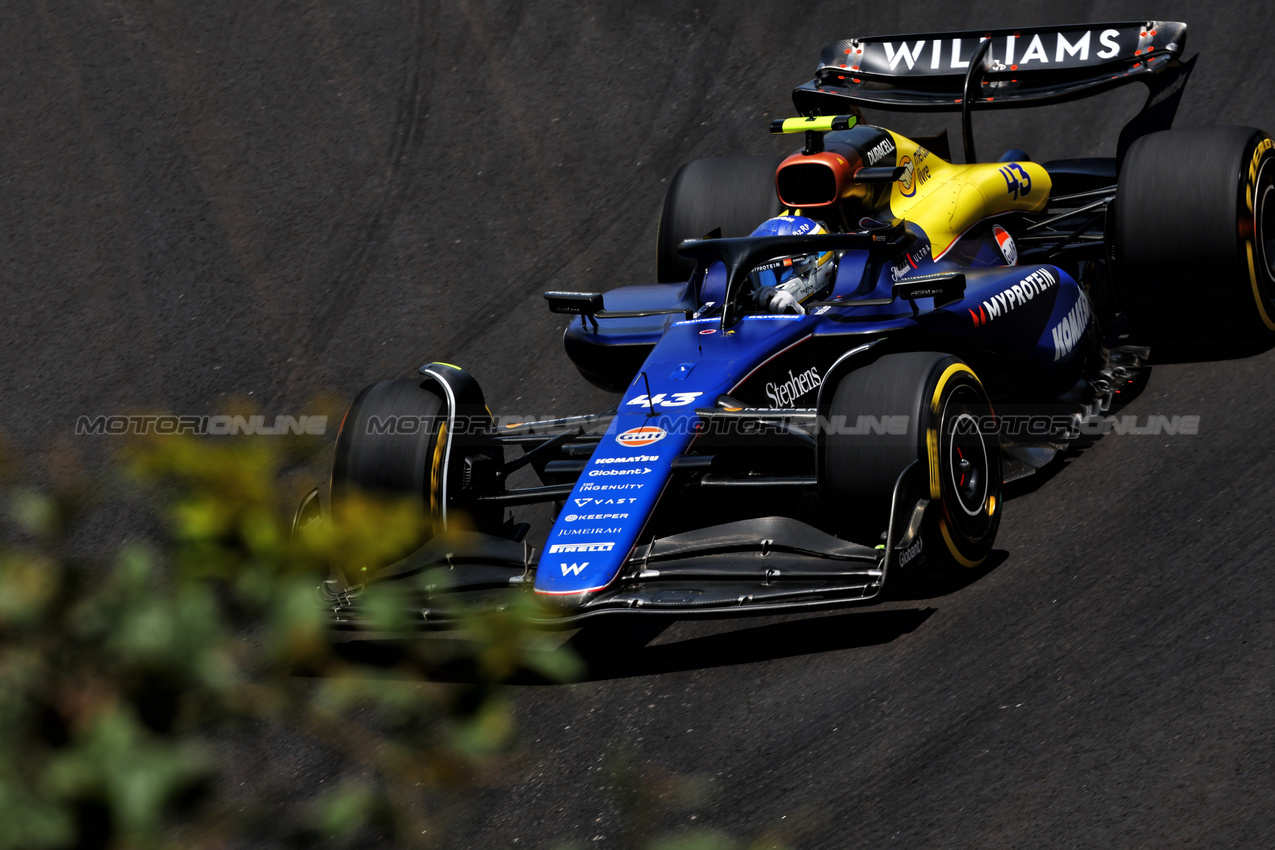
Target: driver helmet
802, 275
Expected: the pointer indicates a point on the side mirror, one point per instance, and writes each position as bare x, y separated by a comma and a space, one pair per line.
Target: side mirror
943, 288
884, 174
576, 303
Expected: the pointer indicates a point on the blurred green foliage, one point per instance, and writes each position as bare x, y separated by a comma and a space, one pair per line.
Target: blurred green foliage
121, 676
126, 679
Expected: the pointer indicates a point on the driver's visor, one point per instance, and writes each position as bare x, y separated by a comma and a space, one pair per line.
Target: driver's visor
778, 272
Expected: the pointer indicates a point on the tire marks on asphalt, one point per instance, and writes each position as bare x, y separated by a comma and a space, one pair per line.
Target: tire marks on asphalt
402, 160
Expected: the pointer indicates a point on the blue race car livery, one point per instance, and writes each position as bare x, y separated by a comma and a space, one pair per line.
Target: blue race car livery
850, 350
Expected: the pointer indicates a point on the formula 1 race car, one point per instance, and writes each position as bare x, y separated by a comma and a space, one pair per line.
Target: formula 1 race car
850, 350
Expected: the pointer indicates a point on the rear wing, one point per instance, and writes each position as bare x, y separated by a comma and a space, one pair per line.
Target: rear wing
1003, 69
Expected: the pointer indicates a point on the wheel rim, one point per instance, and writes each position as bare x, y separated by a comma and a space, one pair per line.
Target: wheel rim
1265, 227
967, 464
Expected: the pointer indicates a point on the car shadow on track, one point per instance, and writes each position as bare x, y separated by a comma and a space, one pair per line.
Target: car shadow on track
1030, 484
620, 649
935, 582
629, 646
624, 650
1205, 351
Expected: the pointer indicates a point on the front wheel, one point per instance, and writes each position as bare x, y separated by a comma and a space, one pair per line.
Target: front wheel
923, 406
424, 441
392, 444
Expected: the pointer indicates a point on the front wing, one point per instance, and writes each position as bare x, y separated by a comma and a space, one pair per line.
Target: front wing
758, 566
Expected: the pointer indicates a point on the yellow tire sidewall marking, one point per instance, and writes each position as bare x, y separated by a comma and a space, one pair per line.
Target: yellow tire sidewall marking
1251, 199
1257, 293
931, 433
951, 547
932, 450
436, 476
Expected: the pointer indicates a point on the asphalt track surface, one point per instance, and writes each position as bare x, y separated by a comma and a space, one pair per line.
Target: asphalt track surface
278, 201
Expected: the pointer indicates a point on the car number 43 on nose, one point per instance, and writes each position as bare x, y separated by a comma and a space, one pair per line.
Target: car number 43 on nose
666, 399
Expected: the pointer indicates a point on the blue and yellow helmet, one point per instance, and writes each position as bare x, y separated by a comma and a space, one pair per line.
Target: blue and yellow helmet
803, 274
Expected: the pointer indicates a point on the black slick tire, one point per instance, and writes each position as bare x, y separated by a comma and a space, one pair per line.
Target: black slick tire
1194, 236
938, 413
389, 446
730, 193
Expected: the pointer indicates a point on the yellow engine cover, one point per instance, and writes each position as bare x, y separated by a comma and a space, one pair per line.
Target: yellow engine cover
946, 199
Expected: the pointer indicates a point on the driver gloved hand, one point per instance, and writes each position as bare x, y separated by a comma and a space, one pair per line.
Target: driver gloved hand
779, 301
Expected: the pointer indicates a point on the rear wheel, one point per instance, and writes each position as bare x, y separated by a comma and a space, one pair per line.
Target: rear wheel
733, 193
1194, 236
922, 406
